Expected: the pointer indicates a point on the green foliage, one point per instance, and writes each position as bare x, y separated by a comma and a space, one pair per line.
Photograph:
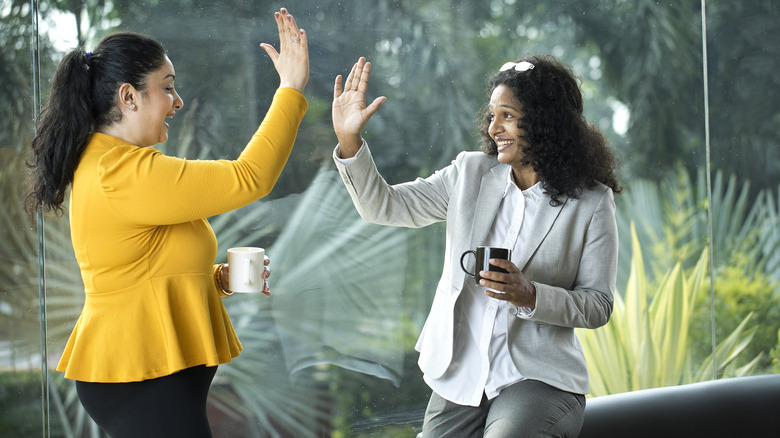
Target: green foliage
775, 353
20, 404
375, 407
742, 290
19, 299
672, 226
647, 342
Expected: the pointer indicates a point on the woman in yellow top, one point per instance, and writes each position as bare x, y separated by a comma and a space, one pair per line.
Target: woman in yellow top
153, 329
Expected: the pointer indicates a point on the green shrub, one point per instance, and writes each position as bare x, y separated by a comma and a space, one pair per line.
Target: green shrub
20, 404
648, 341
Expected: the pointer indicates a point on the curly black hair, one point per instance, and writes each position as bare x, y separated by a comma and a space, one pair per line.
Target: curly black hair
565, 151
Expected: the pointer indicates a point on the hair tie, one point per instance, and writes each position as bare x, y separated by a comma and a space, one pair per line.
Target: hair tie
89, 57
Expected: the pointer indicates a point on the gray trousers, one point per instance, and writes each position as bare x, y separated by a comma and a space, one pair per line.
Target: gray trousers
528, 408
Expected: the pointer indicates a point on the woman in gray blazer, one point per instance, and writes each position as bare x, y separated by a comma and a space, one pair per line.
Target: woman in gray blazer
501, 356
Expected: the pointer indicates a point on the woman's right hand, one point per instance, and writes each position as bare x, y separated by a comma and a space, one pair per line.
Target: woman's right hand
349, 111
292, 60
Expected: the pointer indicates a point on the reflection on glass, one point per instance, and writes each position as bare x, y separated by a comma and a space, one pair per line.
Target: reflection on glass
331, 352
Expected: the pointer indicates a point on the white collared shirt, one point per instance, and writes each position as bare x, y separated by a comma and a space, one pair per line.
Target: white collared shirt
481, 361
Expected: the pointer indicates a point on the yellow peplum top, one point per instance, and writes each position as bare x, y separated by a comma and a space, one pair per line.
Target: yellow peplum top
146, 251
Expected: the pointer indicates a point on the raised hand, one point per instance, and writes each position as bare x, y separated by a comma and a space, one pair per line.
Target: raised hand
349, 110
292, 60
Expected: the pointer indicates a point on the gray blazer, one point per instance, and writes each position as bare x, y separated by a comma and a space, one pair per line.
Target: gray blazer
572, 260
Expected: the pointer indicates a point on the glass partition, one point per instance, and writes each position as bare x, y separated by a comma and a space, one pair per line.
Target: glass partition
330, 353
745, 174
21, 338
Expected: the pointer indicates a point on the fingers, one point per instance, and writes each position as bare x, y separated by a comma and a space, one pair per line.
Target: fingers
269, 49
493, 286
283, 38
266, 269
292, 59
288, 30
353, 80
362, 82
349, 110
266, 291
503, 296
351, 76
266, 273
357, 80
511, 286
505, 264
294, 34
374, 107
337, 87
499, 280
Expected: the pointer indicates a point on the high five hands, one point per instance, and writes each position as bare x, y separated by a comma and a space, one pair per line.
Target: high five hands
292, 60
350, 112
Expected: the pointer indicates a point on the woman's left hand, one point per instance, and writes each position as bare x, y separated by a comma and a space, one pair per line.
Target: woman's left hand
349, 111
292, 60
511, 286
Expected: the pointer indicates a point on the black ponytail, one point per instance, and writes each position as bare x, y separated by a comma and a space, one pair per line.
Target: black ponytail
83, 98
61, 135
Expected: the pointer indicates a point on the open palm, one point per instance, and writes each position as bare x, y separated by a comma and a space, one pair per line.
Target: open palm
350, 112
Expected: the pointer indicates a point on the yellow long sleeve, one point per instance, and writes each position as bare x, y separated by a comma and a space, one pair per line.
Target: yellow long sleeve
146, 251
146, 187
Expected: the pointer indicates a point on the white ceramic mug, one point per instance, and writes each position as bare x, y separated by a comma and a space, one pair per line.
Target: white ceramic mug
246, 265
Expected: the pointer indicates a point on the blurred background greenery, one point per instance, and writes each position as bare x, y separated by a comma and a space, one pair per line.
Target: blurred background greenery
331, 352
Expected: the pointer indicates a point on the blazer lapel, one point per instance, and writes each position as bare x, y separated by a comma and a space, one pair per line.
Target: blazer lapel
544, 219
491, 191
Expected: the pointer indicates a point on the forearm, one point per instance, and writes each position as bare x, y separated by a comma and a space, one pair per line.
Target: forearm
267, 152
414, 204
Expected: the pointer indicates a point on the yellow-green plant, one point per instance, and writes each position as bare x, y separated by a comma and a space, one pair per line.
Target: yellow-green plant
647, 342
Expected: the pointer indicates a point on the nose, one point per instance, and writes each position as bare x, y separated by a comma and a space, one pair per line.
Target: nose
493, 128
178, 103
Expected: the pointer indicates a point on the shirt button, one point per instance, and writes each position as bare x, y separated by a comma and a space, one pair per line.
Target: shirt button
513, 310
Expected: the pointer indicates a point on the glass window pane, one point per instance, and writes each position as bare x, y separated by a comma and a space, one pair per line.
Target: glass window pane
21, 410
331, 352
745, 164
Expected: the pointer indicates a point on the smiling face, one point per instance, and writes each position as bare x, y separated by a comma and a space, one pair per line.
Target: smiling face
157, 102
506, 131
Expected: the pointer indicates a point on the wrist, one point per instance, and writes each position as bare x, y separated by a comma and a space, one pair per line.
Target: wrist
349, 144
532, 294
297, 86
221, 280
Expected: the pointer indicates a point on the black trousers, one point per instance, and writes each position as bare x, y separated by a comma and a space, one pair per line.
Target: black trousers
169, 406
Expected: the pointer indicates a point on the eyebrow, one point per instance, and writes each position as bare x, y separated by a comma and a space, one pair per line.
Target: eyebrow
504, 105
170, 75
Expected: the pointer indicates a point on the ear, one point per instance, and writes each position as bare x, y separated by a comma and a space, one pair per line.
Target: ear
127, 96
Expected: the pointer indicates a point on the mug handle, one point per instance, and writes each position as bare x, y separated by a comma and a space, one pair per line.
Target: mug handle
463, 256
247, 271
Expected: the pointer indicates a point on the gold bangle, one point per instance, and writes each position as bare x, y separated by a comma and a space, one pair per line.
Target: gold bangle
219, 280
